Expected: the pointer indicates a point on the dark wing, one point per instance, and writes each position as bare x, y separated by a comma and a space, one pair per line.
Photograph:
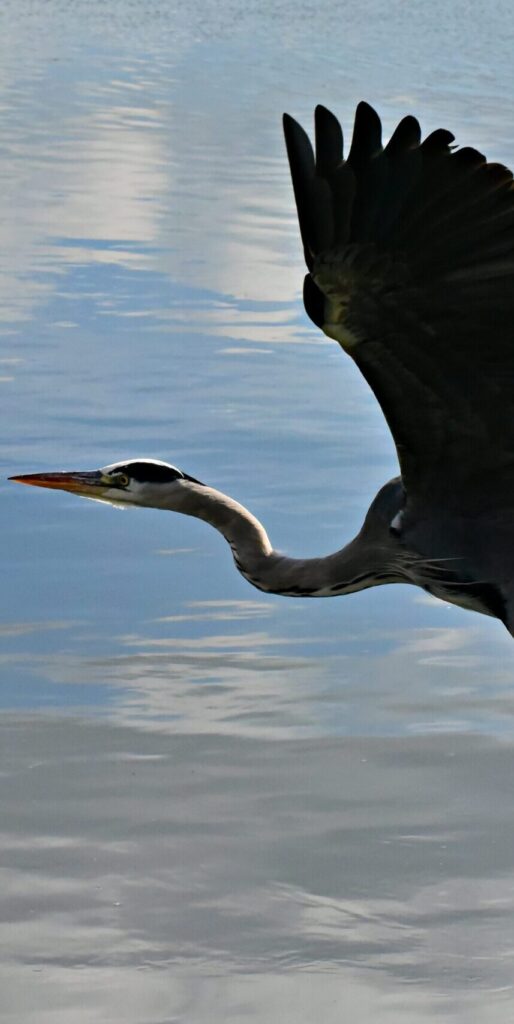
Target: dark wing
410, 251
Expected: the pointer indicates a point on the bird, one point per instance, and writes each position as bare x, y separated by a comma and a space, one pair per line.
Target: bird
409, 249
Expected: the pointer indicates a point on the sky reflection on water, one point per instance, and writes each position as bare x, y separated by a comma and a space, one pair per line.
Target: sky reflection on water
379, 871
220, 805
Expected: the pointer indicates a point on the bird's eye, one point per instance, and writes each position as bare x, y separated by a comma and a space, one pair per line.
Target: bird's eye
121, 479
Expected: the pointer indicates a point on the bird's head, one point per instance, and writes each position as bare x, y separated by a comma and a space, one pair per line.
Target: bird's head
145, 482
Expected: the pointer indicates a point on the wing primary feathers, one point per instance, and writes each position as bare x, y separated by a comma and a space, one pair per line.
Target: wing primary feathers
437, 142
367, 137
301, 162
331, 166
410, 250
329, 141
319, 187
405, 136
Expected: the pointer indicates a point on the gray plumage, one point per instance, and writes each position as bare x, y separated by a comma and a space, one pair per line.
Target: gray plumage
410, 251
410, 257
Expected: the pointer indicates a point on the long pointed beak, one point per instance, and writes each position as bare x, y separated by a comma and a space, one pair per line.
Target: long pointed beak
90, 485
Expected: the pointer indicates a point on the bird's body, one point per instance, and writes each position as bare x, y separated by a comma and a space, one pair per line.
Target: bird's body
410, 253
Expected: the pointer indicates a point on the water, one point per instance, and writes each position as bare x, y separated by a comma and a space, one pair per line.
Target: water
217, 805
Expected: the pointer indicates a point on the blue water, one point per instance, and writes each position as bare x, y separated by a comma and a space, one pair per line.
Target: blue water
220, 805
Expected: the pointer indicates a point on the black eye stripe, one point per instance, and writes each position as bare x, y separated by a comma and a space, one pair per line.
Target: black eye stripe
151, 473
148, 472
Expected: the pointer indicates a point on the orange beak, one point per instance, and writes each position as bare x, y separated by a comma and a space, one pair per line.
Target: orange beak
90, 485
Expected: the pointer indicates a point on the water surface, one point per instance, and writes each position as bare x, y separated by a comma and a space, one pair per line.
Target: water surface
220, 805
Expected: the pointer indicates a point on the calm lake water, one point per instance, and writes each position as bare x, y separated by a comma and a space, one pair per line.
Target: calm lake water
216, 805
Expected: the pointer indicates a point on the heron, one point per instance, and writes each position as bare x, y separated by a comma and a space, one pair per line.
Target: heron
409, 250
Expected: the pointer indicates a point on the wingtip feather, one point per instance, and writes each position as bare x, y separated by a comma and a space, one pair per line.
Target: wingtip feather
367, 135
329, 140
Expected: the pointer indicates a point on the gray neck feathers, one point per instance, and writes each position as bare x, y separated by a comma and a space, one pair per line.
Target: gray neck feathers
245, 534
362, 563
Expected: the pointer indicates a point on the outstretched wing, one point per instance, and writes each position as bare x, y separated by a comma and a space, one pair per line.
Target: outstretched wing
410, 251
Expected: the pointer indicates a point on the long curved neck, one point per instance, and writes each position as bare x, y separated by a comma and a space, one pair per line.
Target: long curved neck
245, 534
361, 563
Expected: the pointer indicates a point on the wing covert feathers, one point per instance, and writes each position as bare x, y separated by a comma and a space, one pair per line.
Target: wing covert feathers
410, 252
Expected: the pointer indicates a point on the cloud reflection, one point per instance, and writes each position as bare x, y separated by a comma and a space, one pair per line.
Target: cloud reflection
184, 673
14, 629
221, 611
365, 860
